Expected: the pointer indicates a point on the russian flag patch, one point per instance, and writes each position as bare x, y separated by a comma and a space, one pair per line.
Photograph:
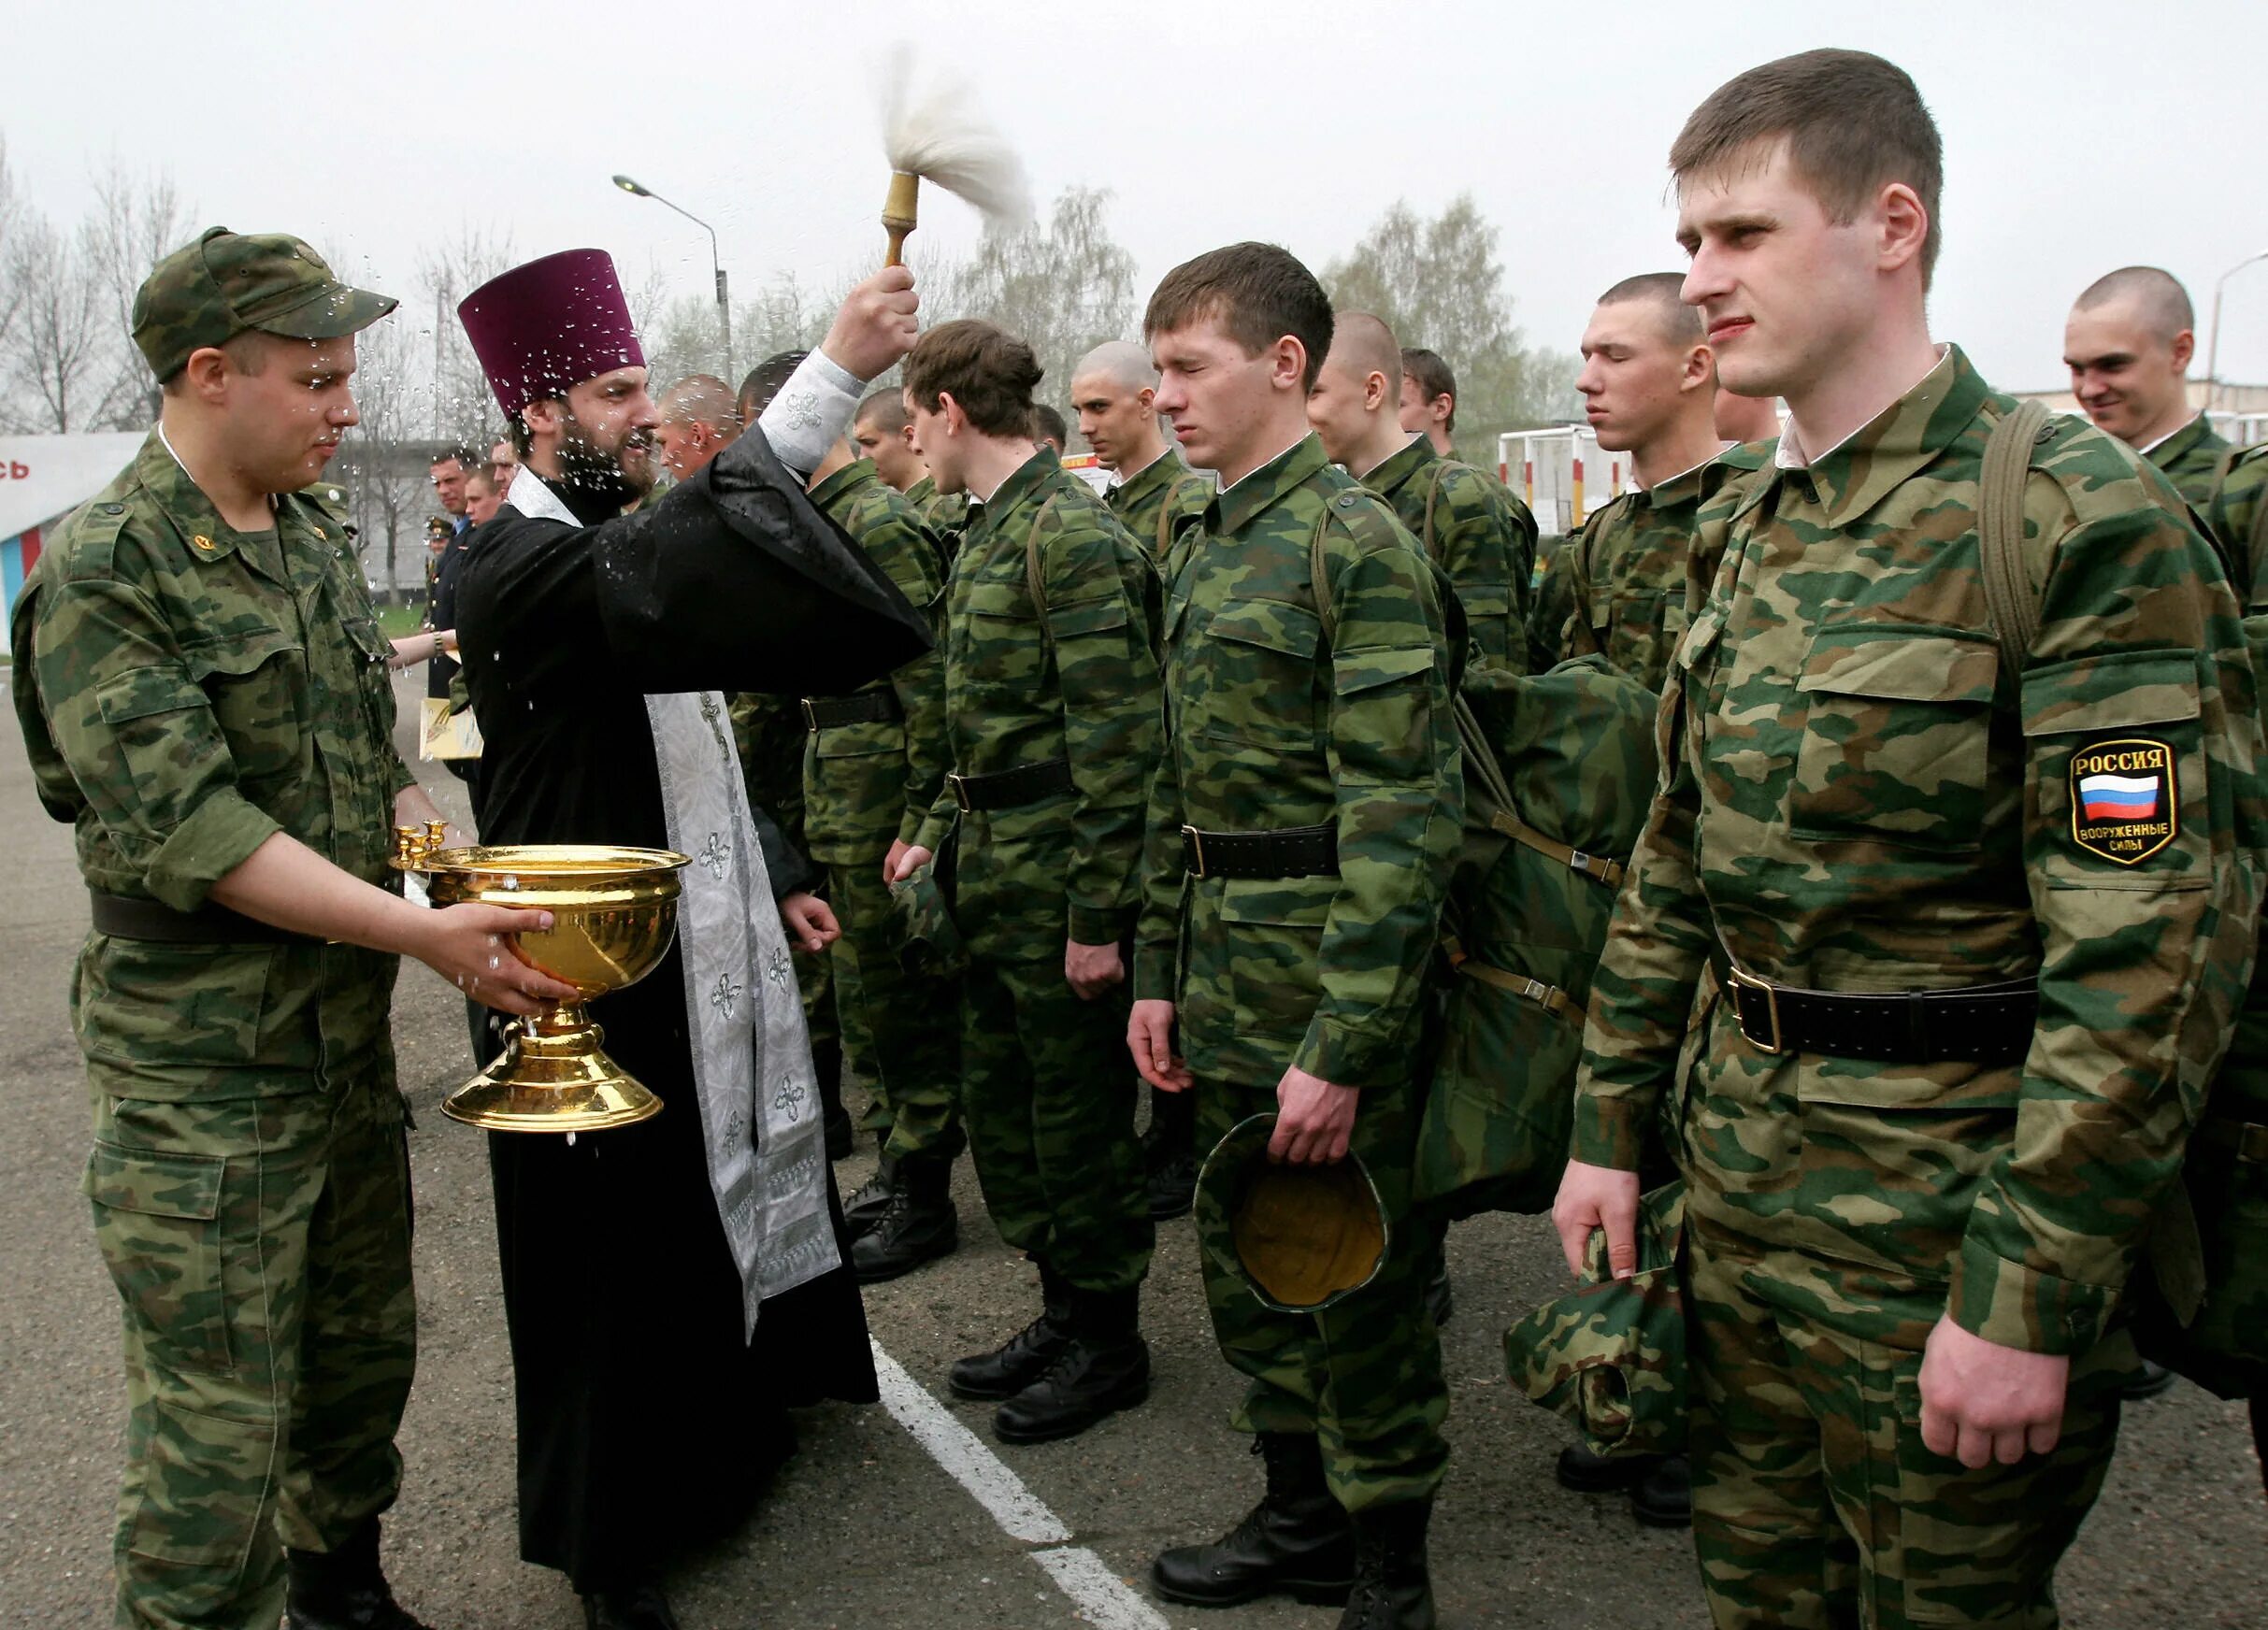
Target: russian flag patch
2124, 803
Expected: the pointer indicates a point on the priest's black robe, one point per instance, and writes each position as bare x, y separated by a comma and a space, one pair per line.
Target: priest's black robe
645, 1422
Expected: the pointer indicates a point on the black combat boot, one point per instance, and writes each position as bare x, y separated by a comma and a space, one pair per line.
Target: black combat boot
1104, 1367
1664, 1497
1169, 1155
1392, 1588
1602, 1474
1023, 1357
827, 1062
870, 1202
638, 1607
1296, 1542
919, 1226
2146, 1380
342, 1589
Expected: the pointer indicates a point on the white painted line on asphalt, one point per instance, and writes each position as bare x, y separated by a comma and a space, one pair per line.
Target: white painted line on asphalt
1103, 1599
975, 1467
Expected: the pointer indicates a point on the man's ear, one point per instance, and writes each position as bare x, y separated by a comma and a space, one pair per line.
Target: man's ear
207, 374
1287, 365
1904, 224
2185, 351
1147, 398
1377, 394
1700, 372
543, 416
955, 415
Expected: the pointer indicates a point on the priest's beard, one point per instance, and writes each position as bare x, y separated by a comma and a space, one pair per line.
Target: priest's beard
592, 475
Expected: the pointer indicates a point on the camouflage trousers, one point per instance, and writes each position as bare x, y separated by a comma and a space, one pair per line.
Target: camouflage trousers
1047, 1094
1816, 1502
900, 1030
1364, 1374
261, 1250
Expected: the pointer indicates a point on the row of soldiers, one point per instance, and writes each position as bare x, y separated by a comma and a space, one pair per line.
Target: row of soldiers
1894, 983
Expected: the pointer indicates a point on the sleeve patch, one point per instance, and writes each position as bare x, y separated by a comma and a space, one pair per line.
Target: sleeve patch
2125, 806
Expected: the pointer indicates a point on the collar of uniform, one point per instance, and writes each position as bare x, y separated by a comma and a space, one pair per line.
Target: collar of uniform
1678, 489
1240, 506
1388, 474
1866, 466
2174, 443
857, 473
185, 505
1022, 482
1166, 466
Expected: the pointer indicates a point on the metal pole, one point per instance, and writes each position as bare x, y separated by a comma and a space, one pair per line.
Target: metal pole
724, 321
716, 265
2212, 332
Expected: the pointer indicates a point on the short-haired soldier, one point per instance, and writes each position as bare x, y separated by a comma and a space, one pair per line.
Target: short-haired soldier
203, 691
1302, 825
2128, 342
1971, 893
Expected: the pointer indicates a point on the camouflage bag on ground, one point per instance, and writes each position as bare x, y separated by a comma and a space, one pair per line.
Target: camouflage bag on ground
1559, 771
1611, 1356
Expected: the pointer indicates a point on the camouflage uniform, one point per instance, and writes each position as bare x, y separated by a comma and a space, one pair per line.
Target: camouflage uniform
943, 513
1270, 727
2239, 517
2191, 458
866, 785
768, 732
1620, 587
1047, 1090
1857, 798
186, 691
1477, 533
1157, 500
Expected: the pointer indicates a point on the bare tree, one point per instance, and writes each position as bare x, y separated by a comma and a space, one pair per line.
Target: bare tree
137, 222
14, 216
459, 407
55, 353
380, 464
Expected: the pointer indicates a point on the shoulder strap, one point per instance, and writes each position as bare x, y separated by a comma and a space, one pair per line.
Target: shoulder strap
1319, 578
2011, 601
1034, 580
1434, 492
1164, 511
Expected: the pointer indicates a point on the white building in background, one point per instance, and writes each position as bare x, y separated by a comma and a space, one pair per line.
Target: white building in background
42, 479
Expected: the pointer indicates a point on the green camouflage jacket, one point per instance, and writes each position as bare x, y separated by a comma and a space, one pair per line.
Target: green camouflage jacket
866, 785
1622, 585
186, 691
2191, 458
1162, 496
1080, 685
1271, 726
2239, 519
944, 513
1857, 797
1477, 533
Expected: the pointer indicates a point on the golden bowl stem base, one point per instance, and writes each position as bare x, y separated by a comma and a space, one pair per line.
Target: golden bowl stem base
553, 1076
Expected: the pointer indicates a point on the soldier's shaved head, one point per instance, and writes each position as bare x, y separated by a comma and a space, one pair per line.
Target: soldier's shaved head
1363, 345
882, 430
2128, 343
1663, 291
1118, 362
885, 409
2157, 297
700, 398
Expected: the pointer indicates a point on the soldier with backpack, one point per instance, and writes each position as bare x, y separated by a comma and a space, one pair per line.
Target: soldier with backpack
1959, 755
1302, 827
1474, 530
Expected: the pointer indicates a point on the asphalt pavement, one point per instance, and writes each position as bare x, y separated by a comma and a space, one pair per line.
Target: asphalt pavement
868, 1527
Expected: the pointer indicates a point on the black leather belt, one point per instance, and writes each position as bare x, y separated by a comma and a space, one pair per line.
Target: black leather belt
1990, 1024
867, 707
1289, 851
123, 917
1006, 788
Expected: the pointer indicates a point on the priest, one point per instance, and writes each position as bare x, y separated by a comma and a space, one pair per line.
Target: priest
672, 1288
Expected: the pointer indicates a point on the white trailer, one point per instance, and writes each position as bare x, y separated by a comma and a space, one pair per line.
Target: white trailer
1561, 473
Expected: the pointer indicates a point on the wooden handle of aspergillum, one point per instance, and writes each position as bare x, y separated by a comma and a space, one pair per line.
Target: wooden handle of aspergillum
900, 211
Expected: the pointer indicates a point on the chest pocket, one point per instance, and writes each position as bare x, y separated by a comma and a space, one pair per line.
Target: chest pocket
1897, 734
997, 642
373, 677
257, 684
1259, 675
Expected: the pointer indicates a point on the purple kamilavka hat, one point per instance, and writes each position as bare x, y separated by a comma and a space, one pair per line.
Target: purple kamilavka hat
550, 325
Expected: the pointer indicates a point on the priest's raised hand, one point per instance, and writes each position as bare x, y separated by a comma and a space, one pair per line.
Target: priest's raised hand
876, 325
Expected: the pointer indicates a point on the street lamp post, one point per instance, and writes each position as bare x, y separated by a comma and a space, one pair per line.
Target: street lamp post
723, 299
2213, 333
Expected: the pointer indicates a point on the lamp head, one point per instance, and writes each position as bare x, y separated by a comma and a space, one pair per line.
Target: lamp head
631, 187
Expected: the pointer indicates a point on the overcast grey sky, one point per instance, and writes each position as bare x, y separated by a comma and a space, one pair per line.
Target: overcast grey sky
2079, 137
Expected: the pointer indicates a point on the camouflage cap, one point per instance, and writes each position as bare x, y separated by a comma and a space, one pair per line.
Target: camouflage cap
928, 940
228, 283
1611, 1356
1301, 1237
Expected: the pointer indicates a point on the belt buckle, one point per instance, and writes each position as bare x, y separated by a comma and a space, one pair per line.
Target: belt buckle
960, 783
1196, 840
811, 720
1742, 981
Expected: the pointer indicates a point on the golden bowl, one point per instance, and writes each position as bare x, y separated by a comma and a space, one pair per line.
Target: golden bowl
613, 918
